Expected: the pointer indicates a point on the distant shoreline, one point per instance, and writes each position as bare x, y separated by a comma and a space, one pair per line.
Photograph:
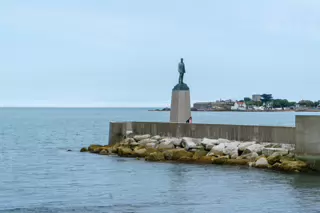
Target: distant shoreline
310, 110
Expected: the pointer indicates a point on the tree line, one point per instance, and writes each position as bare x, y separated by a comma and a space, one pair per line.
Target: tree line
268, 100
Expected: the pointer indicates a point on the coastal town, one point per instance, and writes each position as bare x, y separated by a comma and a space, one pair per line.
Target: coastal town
255, 103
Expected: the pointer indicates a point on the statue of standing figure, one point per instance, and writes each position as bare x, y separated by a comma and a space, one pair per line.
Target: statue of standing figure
181, 70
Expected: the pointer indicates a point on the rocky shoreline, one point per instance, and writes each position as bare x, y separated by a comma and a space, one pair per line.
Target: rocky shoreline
205, 151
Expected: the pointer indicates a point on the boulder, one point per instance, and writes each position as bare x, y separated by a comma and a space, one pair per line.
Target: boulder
204, 160
129, 140
270, 151
237, 162
165, 145
188, 143
274, 157
92, 147
83, 149
134, 144
231, 149
141, 137
220, 160
155, 156
251, 156
289, 147
199, 153
124, 151
156, 137
244, 145
174, 141
222, 140
294, 166
104, 152
254, 148
176, 154
209, 143
140, 152
129, 134
217, 150
150, 145
148, 140
262, 163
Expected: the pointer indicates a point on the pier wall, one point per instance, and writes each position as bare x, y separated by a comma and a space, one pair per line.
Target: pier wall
231, 132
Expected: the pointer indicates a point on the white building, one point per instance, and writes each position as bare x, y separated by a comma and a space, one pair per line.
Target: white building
239, 106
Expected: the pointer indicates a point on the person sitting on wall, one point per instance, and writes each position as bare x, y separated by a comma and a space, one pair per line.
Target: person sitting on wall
189, 120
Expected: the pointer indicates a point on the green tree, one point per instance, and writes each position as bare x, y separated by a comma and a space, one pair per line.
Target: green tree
306, 103
266, 98
247, 99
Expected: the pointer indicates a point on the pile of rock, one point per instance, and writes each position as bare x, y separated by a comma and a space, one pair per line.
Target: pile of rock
209, 151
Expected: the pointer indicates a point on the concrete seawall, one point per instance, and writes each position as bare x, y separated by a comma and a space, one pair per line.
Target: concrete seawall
214, 131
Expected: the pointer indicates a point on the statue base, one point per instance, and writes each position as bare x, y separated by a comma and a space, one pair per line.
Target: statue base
180, 104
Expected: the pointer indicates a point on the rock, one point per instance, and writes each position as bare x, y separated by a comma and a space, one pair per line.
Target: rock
251, 156
294, 166
209, 143
140, 152
188, 143
217, 150
276, 166
92, 147
262, 163
129, 141
274, 157
199, 153
251, 164
220, 160
291, 155
254, 148
141, 137
165, 145
186, 159
125, 151
289, 147
270, 151
237, 162
129, 134
150, 145
204, 160
134, 144
231, 149
83, 149
157, 137
155, 156
244, 145
174, 141
104, 152
146, 141
176, 154
221, 140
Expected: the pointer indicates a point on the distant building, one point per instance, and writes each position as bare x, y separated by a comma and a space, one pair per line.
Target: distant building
256, 98
239, 106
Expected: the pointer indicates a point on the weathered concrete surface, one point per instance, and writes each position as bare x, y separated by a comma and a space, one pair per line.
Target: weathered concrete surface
180, 106
213, 131
308, 139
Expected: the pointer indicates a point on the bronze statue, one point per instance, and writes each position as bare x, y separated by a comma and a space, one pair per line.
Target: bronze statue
181, 70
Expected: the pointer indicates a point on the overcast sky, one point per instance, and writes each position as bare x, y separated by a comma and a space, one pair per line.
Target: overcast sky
126, 53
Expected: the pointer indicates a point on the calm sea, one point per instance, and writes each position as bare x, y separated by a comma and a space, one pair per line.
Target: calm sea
37, 174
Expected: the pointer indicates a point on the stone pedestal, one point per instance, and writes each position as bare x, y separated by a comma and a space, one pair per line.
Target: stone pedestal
180, 104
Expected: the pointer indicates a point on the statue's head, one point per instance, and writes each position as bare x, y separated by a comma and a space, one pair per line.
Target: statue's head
181, 59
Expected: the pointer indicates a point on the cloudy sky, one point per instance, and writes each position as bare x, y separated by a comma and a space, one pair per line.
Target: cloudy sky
125, 53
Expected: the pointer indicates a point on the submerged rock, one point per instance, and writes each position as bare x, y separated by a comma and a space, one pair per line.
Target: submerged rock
83, 149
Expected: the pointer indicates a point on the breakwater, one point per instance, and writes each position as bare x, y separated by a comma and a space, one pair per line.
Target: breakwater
305, 135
